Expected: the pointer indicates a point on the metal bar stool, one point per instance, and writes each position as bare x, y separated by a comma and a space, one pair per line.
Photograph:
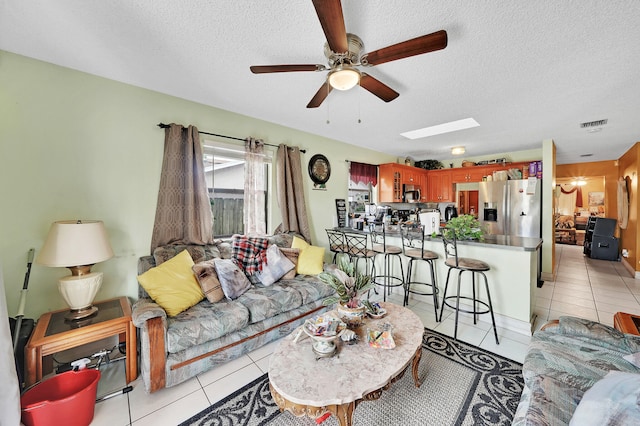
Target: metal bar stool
337, 243
358, 248
463, 264
413, 245
379, 245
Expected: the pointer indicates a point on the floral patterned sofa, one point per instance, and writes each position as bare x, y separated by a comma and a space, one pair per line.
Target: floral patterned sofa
566, 362
176, 348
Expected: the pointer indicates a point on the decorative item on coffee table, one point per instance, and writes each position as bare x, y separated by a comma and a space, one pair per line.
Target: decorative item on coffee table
349, 284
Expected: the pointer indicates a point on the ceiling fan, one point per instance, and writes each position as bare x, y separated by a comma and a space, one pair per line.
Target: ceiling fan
343, 52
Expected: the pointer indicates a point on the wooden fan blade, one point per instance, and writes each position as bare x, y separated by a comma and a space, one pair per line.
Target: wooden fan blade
320, 95
416, 46
330, 15
261, 69
378, 88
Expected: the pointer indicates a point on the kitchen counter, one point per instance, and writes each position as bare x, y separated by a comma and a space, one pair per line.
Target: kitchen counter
513, 277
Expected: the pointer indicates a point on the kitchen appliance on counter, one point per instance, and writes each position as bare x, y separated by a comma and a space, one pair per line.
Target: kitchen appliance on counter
511, 207
410, 193
450, 212
431, 222
381, 213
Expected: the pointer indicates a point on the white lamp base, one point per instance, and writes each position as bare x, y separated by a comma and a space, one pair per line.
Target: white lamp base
79, 292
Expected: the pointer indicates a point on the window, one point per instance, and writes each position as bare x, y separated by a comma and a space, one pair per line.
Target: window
224, 173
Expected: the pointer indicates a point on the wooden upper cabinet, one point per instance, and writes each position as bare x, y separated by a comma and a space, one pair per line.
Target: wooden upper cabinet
440, 186
468, 174
390, 183
477, 173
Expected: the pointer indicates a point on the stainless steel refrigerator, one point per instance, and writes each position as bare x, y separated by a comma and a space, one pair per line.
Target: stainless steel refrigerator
511, 207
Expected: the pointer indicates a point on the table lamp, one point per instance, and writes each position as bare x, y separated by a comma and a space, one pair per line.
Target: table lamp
77, 245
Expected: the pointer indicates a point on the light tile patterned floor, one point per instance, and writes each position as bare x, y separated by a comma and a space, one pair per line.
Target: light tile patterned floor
594, 289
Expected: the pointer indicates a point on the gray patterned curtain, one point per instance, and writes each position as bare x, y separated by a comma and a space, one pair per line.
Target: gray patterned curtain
183, 213
291, 192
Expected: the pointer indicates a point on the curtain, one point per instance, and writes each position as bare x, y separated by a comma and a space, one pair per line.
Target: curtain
183, 212
577, 190
568, 199
254, 215
290, 192
365, 173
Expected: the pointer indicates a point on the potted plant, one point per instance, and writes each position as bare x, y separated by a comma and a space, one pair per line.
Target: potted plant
348, 284
465, 227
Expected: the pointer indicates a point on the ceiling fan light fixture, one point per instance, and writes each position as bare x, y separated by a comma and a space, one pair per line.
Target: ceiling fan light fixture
344, 77
457, 150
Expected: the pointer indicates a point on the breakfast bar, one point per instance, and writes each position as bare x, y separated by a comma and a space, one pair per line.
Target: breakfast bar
513, 277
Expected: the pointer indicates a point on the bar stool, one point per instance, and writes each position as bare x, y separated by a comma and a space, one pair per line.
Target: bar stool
463, 264
337, 244
379, 245
358, 248
413, 245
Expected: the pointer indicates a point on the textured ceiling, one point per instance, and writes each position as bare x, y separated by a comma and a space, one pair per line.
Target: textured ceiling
526, 71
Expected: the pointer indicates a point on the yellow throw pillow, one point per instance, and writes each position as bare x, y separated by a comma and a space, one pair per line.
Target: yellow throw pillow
172, 285
311, 258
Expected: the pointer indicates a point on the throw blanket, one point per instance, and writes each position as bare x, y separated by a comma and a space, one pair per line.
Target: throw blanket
250, 253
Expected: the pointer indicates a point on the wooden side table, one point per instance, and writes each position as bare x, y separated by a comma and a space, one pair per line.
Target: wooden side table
53, 334
627, 323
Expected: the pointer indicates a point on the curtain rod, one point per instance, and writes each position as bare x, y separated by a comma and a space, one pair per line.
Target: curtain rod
165, 126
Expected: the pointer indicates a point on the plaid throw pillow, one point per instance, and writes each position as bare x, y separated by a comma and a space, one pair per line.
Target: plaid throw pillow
250, 253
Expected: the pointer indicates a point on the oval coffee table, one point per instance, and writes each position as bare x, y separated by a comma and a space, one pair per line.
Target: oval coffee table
304, 385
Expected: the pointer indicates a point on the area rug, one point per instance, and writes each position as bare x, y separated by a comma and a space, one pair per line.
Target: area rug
461, 385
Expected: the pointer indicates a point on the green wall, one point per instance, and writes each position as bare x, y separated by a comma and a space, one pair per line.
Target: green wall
77, 146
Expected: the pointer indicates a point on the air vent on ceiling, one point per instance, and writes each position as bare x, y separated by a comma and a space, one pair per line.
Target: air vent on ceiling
596, 123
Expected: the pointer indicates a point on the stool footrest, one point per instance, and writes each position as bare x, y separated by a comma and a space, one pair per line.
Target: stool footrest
481, 302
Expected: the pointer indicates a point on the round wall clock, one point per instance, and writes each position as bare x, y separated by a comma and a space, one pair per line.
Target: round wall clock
319, 169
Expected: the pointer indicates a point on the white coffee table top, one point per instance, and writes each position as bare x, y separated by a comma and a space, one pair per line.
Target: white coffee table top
353, 372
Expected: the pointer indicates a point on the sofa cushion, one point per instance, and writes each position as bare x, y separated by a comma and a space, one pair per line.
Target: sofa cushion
265, 302
611, 401
207, 277
309, 287
173, 285
276, 266
204, 322
233, 281
311, 258
292, 254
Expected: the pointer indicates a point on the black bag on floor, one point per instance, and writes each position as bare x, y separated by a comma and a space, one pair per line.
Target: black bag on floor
26, 328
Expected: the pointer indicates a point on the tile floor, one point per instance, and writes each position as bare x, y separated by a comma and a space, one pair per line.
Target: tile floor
594, 289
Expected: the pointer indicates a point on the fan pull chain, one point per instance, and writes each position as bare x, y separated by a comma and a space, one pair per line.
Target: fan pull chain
327, 104
359, 98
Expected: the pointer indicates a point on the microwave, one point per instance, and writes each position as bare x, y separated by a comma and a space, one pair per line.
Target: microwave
410, 193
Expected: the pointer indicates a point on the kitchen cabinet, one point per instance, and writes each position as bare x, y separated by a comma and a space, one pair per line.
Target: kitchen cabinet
411, 177
393, 176
440, 187
468, 174
390, 178
477, 173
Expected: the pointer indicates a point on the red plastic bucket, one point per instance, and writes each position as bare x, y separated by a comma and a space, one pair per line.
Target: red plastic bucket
65, 399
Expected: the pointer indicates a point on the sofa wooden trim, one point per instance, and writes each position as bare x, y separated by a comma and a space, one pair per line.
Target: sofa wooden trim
157, 354
158, 357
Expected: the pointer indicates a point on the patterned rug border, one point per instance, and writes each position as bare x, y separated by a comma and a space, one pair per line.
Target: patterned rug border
453, 350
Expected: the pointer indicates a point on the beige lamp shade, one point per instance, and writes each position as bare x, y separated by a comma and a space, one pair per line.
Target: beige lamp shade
77, 245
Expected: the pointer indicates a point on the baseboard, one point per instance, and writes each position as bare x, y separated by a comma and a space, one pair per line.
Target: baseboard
630, 268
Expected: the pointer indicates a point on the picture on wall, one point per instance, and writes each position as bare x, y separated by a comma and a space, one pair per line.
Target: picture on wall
596, 198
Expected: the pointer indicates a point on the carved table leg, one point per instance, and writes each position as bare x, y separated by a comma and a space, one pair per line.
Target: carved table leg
416, 365
344, 413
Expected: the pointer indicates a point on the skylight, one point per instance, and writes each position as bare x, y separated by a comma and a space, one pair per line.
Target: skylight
452, 126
